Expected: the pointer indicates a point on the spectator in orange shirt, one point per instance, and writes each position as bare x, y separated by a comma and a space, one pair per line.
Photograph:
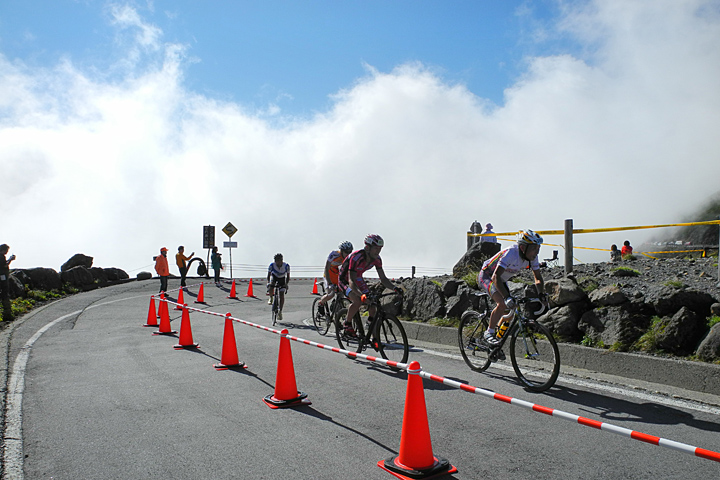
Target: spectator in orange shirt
181, 261
162, 269
626, 249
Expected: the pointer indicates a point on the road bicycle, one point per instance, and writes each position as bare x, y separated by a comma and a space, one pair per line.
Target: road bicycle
384, 334
534, 353
325, 321
276, 301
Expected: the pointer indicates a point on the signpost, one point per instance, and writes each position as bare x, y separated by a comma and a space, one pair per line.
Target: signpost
208, 242
230, 230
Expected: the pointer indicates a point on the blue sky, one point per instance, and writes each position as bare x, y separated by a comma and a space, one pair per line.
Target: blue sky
126, 126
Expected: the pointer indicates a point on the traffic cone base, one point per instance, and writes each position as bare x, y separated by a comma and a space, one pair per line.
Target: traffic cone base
275, 403
222, 366
394, 467
169, 332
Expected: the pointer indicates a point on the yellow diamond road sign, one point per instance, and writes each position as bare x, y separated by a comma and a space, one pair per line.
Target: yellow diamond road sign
229, 229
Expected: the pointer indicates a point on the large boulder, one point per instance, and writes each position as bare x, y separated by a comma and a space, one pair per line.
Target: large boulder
610, 295
114, 274
709, 349
563, 321
144, 276
457, 304
43, 278
77, 260
564, 291
680, 334
667, 301
17, 286
99, 275
474, 258
423, 299
614, 326
77, 276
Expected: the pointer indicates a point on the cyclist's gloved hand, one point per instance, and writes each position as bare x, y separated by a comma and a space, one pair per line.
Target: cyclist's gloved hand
510, 302
363, 298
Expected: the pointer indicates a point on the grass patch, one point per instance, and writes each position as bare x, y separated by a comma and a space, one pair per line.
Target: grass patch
444, 322
625, 272
713, 320
588, 284
471, 279
676, 284
648, 341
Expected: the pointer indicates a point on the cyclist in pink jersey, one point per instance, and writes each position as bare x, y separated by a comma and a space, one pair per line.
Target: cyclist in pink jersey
500, 268
350, 279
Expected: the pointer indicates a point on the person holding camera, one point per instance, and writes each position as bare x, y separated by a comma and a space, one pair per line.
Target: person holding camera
5, 282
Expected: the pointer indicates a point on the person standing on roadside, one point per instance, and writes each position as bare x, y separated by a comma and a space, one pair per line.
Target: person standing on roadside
5, 281
162, 269
181, 261
216, 262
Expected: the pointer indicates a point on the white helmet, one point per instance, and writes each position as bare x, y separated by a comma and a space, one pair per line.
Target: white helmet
373, 239
528, 237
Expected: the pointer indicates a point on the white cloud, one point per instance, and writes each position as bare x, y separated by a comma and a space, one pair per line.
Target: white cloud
115, 170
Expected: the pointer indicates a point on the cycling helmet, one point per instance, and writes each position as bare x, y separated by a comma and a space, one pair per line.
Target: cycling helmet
528, 237
373, 239
346, 246
278, 255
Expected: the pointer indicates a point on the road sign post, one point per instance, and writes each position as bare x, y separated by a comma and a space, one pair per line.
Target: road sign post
208, 242
230, 230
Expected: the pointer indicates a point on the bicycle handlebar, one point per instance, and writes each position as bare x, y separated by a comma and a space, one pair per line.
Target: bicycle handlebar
543, 305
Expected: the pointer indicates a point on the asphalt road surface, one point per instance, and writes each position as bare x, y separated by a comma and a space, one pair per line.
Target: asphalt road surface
93, 394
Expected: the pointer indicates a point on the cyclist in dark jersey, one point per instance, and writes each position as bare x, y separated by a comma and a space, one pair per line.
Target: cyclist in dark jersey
350, 278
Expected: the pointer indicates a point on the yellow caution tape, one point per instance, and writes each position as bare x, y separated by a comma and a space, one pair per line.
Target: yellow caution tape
598, 230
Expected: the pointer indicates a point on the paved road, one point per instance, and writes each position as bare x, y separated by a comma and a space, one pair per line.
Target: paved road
103, 398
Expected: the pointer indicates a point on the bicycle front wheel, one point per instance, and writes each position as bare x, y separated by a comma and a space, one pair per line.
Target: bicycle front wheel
352, 342
535, 356
392, 340
321, 322
474, 351
275, 310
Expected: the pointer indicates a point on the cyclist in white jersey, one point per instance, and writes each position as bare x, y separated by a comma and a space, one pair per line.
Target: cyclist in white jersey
278, 276
500, 268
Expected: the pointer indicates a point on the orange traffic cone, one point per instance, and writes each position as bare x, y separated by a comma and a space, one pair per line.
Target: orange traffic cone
250, 290
315, 292
164, 320
180, 300
229, 356
416, 459
286, 392
232, 291
152, 316
201, 294
186, 338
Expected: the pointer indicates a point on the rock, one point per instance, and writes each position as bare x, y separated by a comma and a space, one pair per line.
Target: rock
43, 278
144, 276
563, 321
607, 296
450, 287
77, 260
17, 287
456, 305
667, 301
474, 258
564, 291
680, 334
613, 326
77, 276
114, 274
423, 299
709, 349
715, 309
99, 275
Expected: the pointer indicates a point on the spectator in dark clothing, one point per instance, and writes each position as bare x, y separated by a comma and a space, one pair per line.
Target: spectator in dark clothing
5, 282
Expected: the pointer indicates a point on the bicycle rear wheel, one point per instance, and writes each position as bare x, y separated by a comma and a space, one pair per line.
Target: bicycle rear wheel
392, 340
535, 356
321, 322
352, 343
474, 351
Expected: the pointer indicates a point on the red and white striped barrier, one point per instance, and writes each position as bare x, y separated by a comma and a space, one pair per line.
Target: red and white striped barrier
607, 427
